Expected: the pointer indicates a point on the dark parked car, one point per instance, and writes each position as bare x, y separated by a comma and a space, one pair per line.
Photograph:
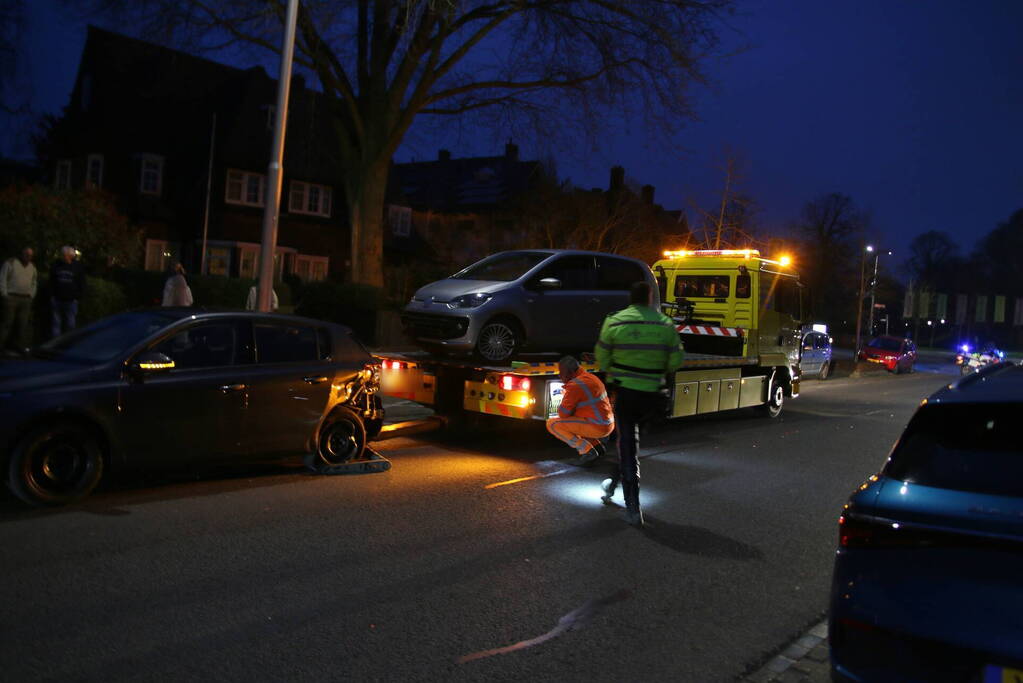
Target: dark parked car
895, 353
534, 300
927, 575
167, 386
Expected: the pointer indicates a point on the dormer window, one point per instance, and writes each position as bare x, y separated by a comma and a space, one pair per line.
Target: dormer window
310, 198
245, 188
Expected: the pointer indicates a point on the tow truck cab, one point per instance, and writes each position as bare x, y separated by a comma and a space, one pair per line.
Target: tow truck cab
759, 300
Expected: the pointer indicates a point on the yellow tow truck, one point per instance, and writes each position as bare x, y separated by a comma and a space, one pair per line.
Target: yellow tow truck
738, 315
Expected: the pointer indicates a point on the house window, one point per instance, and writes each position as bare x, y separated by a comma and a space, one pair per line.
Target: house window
310, 268
160, 254
151, 180
400, 218
248, 263
94, 171
245, 188
218, 260
63, 178
309, 198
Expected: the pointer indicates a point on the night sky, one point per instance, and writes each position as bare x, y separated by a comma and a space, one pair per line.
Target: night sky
914, 108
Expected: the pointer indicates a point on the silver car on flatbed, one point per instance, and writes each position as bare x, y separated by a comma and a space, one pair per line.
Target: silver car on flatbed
529, 299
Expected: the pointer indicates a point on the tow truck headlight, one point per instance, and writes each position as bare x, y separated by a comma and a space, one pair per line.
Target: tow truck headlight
470, 300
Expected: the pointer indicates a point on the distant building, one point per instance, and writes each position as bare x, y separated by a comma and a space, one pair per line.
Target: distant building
139, 125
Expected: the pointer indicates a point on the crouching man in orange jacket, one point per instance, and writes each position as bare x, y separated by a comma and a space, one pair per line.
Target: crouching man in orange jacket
585, 415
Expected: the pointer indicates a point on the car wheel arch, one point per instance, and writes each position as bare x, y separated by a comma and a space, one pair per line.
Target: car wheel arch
76, 417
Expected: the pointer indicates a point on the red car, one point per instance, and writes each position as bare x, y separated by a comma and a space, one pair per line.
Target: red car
895, 353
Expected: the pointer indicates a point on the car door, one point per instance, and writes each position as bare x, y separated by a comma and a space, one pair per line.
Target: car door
198, 409
561, 317
291, 385
810, 363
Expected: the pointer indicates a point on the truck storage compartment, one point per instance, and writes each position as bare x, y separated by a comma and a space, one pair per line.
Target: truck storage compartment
729, 396
751, 391
686, 394
708, 401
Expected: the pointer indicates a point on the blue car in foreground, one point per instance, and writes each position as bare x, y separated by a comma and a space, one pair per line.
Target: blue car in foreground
928, 580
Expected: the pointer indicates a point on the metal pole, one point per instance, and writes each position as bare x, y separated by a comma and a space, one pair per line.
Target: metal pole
859, 306
274, 175
209, 184
873, 290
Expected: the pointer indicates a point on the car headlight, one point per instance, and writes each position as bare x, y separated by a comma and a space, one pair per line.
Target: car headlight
470, 300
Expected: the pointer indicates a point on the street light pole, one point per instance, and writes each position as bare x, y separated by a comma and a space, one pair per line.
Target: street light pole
274, 176
873, 291
859, 302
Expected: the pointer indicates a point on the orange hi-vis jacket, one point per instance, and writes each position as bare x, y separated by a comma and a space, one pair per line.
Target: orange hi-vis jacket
586, 399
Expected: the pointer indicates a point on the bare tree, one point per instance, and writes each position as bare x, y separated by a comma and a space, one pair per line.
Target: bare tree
729, 224
382, 63
932, 257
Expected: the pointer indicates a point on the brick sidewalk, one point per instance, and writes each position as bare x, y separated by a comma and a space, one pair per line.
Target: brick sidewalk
803, 661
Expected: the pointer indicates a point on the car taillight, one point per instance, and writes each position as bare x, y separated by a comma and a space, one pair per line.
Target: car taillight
855, 531
394, 365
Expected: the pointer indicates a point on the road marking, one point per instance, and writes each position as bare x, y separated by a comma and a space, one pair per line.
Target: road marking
571, 621
521, 479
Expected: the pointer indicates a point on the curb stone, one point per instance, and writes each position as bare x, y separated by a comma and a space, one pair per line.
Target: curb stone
804, 660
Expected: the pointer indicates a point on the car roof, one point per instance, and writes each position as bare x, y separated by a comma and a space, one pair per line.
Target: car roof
998, 383
572, 252
206, 313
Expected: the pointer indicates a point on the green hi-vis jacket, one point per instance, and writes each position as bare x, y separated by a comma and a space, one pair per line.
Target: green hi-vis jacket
638, 346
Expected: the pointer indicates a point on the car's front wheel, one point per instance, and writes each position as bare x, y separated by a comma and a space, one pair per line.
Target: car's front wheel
342, 440
498, 340
55, 464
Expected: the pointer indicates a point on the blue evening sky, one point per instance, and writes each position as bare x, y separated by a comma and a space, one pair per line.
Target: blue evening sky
912, 107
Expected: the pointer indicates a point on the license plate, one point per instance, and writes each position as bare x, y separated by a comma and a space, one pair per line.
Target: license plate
555, 391
1001, 674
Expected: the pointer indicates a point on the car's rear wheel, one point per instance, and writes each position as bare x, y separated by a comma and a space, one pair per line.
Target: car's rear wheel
825, 371
498, 340
342, 440
55, 464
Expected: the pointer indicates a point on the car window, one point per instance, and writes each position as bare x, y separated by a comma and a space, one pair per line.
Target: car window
885, 344
786, 298
821, 342
964, 447
575, 272
106, 338
618, 274
324, 343
282, 343
743, 285
210, 344
713, 286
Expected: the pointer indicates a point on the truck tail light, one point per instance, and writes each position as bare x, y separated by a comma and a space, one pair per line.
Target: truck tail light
394, 365
511, 383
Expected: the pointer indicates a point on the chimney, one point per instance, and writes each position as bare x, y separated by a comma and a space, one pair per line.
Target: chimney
617, 178
511, 152
444, 155
648, 194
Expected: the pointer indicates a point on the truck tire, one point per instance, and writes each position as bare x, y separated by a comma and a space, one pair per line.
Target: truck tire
775, 401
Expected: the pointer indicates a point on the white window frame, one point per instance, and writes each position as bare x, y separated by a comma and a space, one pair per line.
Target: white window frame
400, 219
312, 261
300, 199
98, 180
240, 179
164, 256
244, 251
157, 160
62, 179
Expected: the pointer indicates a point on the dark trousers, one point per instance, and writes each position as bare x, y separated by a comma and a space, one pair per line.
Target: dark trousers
65, 314
632, 408
16, 317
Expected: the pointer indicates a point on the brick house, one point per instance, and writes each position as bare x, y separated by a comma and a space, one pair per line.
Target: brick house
146, 122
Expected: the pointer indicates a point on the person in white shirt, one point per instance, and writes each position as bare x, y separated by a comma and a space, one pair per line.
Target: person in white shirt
250, 304
18, 283
176, 291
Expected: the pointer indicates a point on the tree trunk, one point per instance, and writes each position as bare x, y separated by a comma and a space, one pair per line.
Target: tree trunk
367, 191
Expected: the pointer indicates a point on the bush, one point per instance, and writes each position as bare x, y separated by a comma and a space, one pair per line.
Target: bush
101, 298
350, 304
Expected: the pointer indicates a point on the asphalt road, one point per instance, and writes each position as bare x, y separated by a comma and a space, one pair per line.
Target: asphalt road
481, 555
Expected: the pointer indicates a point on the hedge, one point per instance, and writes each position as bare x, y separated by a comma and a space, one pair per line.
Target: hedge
145, 288
350, 304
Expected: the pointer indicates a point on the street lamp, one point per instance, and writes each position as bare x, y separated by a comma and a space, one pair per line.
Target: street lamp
873, 289
859, 301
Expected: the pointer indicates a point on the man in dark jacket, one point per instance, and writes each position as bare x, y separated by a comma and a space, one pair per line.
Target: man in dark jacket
67, 283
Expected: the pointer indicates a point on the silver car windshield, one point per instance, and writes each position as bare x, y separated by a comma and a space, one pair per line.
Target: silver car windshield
505, 267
